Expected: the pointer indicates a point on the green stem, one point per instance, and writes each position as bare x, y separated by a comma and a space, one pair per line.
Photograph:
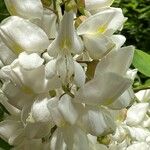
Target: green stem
140, 88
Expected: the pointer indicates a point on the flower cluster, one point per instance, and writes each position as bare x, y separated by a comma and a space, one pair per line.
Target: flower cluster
65, 78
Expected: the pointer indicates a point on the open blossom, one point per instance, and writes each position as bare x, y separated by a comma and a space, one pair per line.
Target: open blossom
54, 100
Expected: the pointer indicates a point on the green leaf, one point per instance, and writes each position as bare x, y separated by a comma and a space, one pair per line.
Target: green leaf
141, 61
142, 87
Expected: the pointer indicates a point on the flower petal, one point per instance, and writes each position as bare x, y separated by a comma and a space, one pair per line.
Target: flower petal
67, 40
19, 34
9, 128
37, 130
94, 46
28, 9
10, 108
137, 133
131, 73
79, 75
39, 110
50, 68
124, 100
136, 113
17, 97
48, 23
97, 121
102, 90
68, 109
65, 68
105, 22
56, 115
143, 95
119, 40
6, 55
57, 141
139, 145
116, 61
75, 138
30, 61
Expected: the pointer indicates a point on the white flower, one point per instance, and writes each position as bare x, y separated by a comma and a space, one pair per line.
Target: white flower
67, 69
143, 95
98, 29
27, 127
136, 113
67, 40
66, 43
108, 82
21, 35
139, 146
65, 114
6, 55
28, 9
28, 72
94, 145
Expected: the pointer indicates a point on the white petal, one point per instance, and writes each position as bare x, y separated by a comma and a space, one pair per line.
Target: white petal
97, 4
94, 144
9, 128
37, 130
68, 109
57, 141
146, 122
79, 75
16, 96
65, 68
139, 146
6, 55
50, 68
10, 108
119, 40
17, 138
30, 61
105, 22
56, 115
116, 61
97, 121
102, 90
120, 134
67, 40
124, 100
137, 133
32, 80
75, 138
19, 34
143, 95
39, 110
28, 9
136, 113
98, 45
29, 144
131, 73
48, 23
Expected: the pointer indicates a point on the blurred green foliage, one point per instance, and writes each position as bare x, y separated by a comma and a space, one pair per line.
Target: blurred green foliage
3, 11
137, 27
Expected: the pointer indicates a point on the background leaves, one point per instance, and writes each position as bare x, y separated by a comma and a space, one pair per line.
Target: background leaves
141, 61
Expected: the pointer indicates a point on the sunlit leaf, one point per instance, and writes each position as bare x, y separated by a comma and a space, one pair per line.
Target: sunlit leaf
141, 61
